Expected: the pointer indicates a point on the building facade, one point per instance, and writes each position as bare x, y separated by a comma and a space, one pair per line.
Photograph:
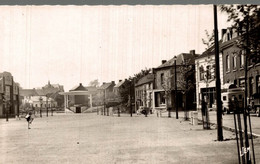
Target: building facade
144, 92
206, 79
234, 70
9, 95
166, 81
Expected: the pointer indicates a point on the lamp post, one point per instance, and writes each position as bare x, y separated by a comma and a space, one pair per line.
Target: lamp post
5, 105
175, 83
51, 108
104, 103
218, 86
47, 105
7, 110
40, 99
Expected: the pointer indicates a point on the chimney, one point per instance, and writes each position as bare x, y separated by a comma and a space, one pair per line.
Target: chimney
113, 82
192, 52
234, 33
104, 83
120, 81
80, 84
164, 61
223, 32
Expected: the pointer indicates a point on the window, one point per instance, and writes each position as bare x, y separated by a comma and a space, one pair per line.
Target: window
234, 61
242, 59
227, 63
224, 98
241, 82
235, 81
201, 72
258, 84
162, 78
240, 97
162, 98
251, 83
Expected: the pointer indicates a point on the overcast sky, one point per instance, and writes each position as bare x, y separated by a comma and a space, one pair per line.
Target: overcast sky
73, 44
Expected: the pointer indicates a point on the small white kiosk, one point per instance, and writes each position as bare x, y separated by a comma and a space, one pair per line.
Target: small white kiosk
79, 96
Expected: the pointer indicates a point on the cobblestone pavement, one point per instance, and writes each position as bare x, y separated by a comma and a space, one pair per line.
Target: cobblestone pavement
92, 138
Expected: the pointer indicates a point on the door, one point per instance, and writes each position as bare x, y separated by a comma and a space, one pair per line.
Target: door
78, 110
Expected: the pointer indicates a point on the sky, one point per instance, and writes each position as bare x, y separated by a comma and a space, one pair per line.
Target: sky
68, 45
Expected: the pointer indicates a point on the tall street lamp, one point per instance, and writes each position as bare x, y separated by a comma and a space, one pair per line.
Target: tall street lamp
218, 87
47, 105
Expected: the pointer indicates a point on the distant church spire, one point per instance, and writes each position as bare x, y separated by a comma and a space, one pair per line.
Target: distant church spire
49, 83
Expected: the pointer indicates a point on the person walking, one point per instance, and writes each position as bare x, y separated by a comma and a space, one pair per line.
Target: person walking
29, 119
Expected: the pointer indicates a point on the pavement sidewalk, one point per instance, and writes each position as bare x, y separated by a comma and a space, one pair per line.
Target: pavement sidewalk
228, 120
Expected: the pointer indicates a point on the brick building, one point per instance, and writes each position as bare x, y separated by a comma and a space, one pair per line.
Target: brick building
167, 71
233, 68
10, 90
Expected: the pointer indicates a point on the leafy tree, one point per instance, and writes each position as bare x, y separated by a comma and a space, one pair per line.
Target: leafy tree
246, 20
186, 82
167, 87
141, 74
94, 83
209, 41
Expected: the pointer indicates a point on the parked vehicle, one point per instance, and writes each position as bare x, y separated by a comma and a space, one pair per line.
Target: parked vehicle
143, 110
255, 103
228, 102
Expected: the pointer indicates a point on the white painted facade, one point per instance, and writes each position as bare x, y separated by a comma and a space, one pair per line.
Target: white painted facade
211, 83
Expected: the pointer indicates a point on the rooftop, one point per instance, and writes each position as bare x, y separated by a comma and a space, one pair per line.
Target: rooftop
146, 79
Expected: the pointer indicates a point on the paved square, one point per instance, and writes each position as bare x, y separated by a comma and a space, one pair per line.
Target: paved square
91, 138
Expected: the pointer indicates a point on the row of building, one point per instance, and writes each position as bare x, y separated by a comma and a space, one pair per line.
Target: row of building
14, 99
183, 81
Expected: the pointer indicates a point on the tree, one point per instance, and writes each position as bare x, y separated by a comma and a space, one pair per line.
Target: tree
141, 74
186, 82
246, 20
94, 83
167, 87
209, 41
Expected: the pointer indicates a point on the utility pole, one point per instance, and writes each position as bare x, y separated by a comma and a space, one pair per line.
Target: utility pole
245, 112
218, 87
175, 83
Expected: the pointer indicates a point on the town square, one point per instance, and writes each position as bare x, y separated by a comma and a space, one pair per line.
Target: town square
130, 83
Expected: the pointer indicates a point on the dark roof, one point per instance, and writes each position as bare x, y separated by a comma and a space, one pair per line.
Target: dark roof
28, 92
146, 79
120, 83
80, 87
222, 45
180, 58
105, 85
40, 92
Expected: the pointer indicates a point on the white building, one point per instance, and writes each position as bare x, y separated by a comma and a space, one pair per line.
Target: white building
206, 79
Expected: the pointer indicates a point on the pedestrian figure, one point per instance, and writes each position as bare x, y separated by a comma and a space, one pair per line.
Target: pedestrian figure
29, 119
